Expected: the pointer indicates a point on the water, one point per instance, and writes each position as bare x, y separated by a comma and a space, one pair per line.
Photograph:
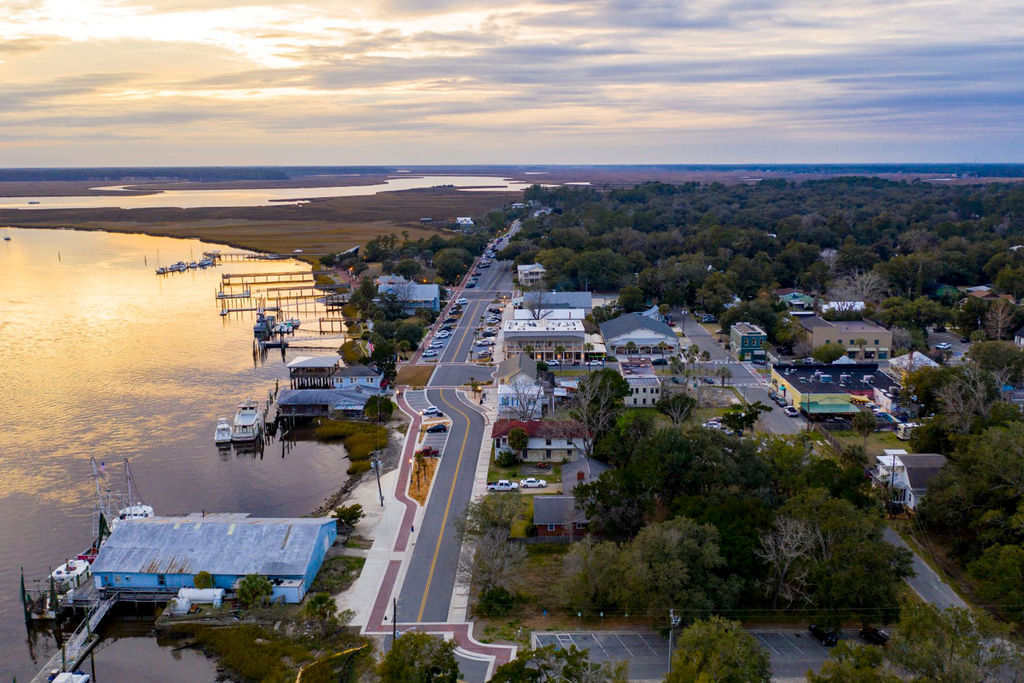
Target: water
100, 357
190, 199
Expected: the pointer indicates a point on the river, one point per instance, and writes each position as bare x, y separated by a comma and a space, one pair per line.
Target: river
101, 357
192, 199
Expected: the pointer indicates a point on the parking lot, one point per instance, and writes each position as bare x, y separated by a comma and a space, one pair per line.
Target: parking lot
793, 651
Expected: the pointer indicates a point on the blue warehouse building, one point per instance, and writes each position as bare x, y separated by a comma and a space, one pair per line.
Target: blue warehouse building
165, 553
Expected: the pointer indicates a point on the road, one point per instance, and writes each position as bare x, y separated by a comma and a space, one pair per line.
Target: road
426, 594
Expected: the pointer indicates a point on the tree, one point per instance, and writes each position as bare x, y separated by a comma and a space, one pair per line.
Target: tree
526, 398
723, 373
254, 590
379, 408
718, 650
551, 664
495, 564
742, 418
864, 423
678, 407
631, 298
953, 645
675, 563
849, 663
321, 609
419, 658
1000, 575
859, 286
348, 516
590, 572
451, 263
999, 319
203, 580
828, 353
596, 404
787, 550
518, 440
408, 268
489, 512
631, 347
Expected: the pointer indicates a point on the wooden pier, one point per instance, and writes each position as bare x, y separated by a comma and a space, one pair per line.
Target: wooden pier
81, 642
282, 277
244, 294
331, 325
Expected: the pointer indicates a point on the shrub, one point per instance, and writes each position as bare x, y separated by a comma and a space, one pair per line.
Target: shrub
494, 602
507, 459
359, 467
203, 580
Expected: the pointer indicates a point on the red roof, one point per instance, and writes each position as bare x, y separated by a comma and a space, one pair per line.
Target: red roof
537, 428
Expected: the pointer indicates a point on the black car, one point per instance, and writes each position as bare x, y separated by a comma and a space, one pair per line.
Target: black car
470, 285
446, 328
488, 333
437, 429
451, 319
825, 636
659, 361
709, 380
875, 636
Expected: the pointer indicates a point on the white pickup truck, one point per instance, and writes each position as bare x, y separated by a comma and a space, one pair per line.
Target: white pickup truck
502, 485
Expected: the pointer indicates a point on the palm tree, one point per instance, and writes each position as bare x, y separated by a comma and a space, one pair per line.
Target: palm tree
692, 354
404, 347
676, 365
723, 373
630, 347
322, 609
474, 386
662, 346
528, 350
587, 348
559, 351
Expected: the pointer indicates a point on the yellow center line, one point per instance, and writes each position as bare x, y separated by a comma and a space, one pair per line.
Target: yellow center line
447, 508
476, 316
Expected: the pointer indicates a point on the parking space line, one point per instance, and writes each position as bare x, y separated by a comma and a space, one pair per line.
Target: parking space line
764, 641
649, 646
624, 646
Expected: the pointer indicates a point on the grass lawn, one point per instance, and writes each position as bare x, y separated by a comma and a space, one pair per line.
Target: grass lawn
876, 443
416, 376
337, 574
524, 519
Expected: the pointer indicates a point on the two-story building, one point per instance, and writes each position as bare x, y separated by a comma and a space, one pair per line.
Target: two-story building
352, 376
747, 341
906, 475
520, 394
548, 440
862, 340
644, 385
530, 274
635, 331
545, 339
541, 300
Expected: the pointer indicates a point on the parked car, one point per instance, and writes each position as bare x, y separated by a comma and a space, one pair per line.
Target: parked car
595, 363
494, 309
428, 452
429, 353
502, 485
708, 318
437, 429
435, 345
873, 635
431, 411
676, 380
826, 637
943, 346
488, 333
451, 319
791, 411
471, 284
553, 363
779, 401
709, 380
532, 483
462, 302
659, 361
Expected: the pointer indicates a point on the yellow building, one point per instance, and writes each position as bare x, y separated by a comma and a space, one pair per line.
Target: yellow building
820, 390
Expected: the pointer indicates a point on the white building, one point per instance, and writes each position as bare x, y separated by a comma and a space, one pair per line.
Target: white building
646, 335
560, 340
549, 314
644, 385
530, 274
357, 376
906, 474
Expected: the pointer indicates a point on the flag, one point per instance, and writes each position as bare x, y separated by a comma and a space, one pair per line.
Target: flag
369, 345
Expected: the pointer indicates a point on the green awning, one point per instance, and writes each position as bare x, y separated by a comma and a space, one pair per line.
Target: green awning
818, 408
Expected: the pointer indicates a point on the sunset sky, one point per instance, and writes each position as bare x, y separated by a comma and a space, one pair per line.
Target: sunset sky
129, 82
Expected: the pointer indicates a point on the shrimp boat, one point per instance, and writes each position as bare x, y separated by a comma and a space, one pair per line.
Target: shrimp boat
222, 435
248, 425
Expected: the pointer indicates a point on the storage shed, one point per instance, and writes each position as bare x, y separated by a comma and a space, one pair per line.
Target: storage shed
165, 553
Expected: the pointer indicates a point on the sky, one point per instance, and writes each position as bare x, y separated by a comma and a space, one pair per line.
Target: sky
237, 82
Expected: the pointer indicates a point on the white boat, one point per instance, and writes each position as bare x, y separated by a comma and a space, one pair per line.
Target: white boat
293, 323
206, 263
248, 425
222, 435
120, 507
161, 271
72, 573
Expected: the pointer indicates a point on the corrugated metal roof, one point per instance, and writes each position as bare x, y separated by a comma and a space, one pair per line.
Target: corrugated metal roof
228, 545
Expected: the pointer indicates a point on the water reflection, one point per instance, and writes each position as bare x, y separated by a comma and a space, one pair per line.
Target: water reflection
103, 358
191, 199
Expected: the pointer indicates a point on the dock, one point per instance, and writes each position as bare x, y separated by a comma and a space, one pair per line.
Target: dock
81, 642
282, 277
244, 294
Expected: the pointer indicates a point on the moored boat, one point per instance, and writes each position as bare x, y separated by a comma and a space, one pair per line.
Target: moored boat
71, 574
248, 424
222, 435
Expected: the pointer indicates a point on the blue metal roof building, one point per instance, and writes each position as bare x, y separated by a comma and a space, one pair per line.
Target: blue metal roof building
165, 553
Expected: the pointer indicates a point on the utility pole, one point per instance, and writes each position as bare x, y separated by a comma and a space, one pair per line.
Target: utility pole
394, 622
673, 621
380, 492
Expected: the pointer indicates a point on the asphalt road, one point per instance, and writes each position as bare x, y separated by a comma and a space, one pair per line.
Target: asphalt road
925, 582
430, 580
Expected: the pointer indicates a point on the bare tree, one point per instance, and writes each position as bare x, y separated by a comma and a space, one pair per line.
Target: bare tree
901, 338
917, 240
858, 286
998, 319
786, 549
966, 396
493, 562
537, 304
526, 396
593, 408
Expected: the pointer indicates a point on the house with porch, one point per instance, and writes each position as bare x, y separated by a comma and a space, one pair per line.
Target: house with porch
558, 515
530, 274
548, 440
313, 372
520, 393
